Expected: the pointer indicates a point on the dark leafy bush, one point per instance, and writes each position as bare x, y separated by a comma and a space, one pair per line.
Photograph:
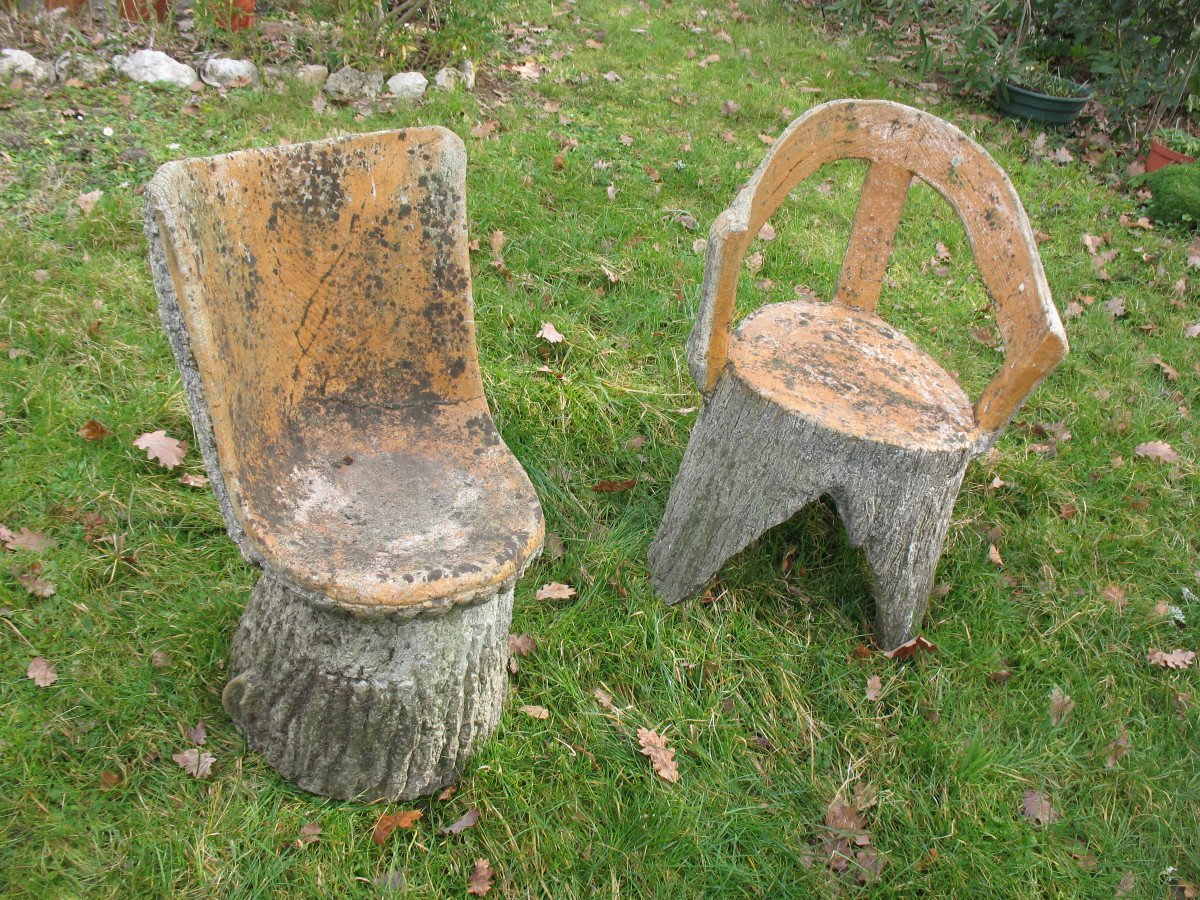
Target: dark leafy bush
1176, 191
1142, 57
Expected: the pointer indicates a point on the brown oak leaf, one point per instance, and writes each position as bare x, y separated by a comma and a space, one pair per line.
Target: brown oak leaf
1174, 659
481, 878
469, 818
309, 834
613, 487
1060, 707
874, 687
550, 334
91, 430
661, 756
389, 822
555, 591
41, 672
168, 451
25, 539
521, 644
1036, 807
911, 648
195, 763
1117, 750
37, 585
1157, 450
536, 712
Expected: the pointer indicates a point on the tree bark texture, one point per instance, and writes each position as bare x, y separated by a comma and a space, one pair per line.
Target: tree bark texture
367, 707
752, 464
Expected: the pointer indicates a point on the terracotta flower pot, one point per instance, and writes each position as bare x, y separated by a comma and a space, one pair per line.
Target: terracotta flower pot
143, 10
1162, 155
234, 15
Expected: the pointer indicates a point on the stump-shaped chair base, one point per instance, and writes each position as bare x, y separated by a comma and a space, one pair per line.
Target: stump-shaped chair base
367, 707
765, 445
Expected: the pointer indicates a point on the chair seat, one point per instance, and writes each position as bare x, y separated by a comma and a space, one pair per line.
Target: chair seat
849, 370
416, 511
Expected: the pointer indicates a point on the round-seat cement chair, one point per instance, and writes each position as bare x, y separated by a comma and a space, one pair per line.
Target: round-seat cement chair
805, 399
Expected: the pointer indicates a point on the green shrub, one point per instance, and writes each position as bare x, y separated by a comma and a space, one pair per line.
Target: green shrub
1176, 191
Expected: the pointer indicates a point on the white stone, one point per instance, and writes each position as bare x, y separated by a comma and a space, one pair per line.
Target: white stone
229, 73
408, 86
26, 66
83, 66
448, 79
154, 67
466, 69
312, 75
347, 85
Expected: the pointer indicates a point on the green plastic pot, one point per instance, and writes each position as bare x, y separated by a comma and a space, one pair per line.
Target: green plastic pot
1022, 103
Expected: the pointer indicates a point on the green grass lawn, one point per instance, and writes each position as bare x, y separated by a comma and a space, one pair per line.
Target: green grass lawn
762, 692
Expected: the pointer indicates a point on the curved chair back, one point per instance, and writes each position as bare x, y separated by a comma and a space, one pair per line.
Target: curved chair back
315, 280
899, 143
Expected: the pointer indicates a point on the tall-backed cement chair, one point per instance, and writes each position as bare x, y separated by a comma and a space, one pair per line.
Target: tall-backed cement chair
318, 301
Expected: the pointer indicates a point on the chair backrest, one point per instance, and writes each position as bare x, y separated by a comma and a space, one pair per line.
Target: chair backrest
313, 276
899, 143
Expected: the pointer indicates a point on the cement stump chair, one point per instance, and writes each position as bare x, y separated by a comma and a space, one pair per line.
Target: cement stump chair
810, 399
318, 302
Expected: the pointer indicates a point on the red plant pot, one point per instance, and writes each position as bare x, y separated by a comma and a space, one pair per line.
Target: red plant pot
234, 15
1162, 155
143, 10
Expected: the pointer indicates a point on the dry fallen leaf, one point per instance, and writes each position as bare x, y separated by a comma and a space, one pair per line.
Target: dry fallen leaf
35, 584
1036, 807
536, 712
613, 487
1175, 659
168, 451
196, 481
994, 555
1117, 750
309, 834
195, 763
470, 817
86, 201
1114, 595
874, 687
555, 591
550, 334
521, 644
766, 233
661, 756
1125, 885
1060, 707
41, 672
197, 735
1171, 373
626, 140
605, 699
911, 648
25, 539
91, 430
480, 881
388, 823
1158, 450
